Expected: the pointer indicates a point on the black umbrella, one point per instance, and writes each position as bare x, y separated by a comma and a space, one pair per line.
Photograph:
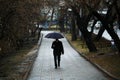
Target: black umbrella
54, 35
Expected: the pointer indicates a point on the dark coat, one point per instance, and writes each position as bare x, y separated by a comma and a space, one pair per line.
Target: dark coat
57, 47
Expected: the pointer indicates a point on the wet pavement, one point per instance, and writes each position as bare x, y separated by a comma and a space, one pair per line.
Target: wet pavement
73, 66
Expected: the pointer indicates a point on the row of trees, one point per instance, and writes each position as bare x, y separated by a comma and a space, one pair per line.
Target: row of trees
17, 18
85, 11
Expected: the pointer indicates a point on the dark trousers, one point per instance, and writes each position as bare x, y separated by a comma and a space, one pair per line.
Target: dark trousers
57, 60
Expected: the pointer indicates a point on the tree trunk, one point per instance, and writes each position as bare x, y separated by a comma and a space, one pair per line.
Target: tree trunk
102, 29
109, 30
73, 29
87, 39
82, 26
61, 24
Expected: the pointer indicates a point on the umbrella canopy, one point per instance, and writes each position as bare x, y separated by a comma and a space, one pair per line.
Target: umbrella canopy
54, 35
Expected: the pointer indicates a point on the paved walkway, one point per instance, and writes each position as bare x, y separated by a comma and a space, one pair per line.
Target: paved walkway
73, 66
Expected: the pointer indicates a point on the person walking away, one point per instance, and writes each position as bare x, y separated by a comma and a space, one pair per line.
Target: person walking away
57, 47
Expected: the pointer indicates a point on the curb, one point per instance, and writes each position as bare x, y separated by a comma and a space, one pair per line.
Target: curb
25, 77
96, 65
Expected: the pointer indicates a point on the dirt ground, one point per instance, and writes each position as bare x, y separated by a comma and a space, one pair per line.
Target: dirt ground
17, 65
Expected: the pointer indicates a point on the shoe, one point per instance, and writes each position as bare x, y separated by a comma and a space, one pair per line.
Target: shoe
56, 67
